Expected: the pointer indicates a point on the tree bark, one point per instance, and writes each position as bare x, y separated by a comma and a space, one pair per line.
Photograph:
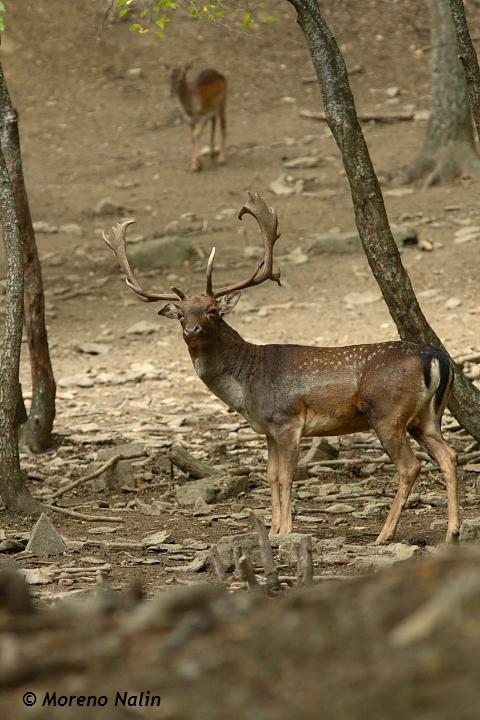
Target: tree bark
468, 56
449, 147
37, 431
13, 490
370, 214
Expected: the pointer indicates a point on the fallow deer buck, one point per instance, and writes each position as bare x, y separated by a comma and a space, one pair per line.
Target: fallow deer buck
203, 99
289, 391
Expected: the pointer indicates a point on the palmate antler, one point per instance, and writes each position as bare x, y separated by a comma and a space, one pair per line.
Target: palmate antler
256, 206
267, 220
118, 247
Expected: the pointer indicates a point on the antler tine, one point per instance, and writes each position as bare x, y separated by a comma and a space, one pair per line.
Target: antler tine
268, 223
209, 290
118, 247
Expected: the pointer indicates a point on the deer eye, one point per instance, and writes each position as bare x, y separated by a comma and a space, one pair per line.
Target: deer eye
212, 313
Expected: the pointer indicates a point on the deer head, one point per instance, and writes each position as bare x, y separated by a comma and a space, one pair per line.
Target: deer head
178, 77
200, 315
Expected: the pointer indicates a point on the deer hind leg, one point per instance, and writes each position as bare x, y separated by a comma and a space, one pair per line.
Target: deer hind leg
212, 136
395, 443
273, 480
223, 134
427, 432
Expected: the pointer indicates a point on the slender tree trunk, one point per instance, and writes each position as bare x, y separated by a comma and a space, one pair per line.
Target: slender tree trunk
468, 56
449, 147
370, 214
13, 490
37, 431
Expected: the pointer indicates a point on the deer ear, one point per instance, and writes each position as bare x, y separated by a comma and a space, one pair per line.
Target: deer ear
228, 302
171, 311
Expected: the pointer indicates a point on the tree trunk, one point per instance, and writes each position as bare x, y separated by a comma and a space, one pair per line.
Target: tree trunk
370, 214
13, 490
37, 431
468, 56
449, 147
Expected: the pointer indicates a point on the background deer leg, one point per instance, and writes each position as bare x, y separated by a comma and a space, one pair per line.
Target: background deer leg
288, 447
273, 480
212, 136
429, 435
223, 133
197, 155
395, 443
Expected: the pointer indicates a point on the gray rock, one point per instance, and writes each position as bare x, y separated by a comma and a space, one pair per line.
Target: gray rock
210, 489
470, 529
373, 509
287, 546
339, 508
162, 252
247, 541
349, 242
45, 538
107, 206
321, 449
201, 507
438, 525
118, 474
385, 556
126, 450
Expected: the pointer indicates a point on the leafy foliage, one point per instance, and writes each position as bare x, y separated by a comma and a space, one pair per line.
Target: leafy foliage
155, 15
3, 10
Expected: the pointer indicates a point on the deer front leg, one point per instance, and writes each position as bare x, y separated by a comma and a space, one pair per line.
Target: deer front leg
288, 447
212, 136
223, 132
196, 153
273, 481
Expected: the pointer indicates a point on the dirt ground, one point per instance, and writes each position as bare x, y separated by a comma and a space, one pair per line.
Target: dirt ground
97, 122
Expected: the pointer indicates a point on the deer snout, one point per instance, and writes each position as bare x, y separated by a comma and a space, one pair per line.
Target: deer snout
191, 331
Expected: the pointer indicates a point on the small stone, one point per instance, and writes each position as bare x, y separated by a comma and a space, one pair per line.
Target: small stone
107, 206
143, 327
45, 538
286, 185
201, 507
300, 163
338, 508
393, 91
42, 227
362, 298
470, 529
157, 538
71, 229
453, 303
134, 72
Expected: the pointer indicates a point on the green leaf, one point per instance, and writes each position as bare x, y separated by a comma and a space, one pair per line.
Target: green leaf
124, 12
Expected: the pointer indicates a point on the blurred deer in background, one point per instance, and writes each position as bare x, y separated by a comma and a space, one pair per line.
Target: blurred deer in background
289, 391
203, 99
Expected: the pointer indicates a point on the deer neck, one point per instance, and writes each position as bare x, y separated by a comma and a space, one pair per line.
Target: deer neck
184, 92
226, 365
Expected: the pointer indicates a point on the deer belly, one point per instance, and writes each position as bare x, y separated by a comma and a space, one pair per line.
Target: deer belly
317, 424
321, 425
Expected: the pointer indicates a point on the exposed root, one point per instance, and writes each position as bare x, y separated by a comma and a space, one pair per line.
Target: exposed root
442, 166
